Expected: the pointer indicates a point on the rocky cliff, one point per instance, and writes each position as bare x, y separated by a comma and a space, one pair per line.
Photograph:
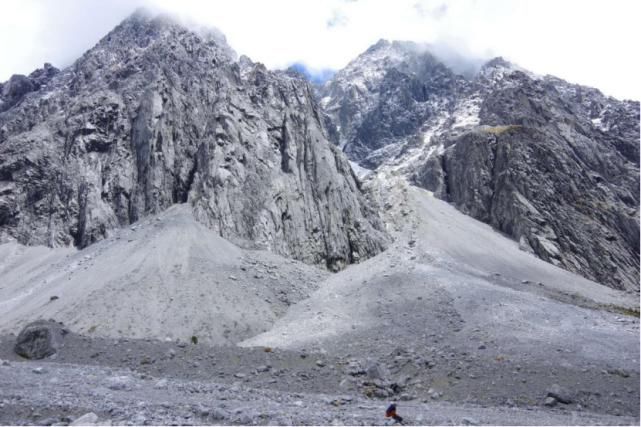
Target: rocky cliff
156, 114
552, 164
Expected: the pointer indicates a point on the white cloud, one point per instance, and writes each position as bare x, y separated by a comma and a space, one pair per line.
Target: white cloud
583, 41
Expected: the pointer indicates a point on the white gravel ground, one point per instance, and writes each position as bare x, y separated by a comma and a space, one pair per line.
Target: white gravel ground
499, 325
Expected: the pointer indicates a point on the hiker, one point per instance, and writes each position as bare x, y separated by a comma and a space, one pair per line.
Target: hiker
391, 413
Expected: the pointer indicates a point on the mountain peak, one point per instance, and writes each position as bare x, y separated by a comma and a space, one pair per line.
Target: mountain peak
497, 68
380, 44
144, 27
498, 61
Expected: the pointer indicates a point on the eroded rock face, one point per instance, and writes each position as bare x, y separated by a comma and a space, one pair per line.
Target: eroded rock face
552, 164
40, 339
528, 184
155, 115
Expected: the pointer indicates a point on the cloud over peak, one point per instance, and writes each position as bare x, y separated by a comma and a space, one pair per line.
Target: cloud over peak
584, 41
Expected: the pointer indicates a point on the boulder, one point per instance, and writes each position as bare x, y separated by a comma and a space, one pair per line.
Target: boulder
40, 339
560, 394
86, 420
376, 370
120, 383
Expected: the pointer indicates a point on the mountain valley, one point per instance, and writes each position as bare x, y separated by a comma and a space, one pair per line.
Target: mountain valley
219, 243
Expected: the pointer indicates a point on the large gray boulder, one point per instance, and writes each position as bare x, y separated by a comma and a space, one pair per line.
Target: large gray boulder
40, 339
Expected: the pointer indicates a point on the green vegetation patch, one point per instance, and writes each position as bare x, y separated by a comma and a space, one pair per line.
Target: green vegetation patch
499, 130
626, 311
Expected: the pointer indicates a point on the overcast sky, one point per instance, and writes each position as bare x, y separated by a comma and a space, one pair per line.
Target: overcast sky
588, 42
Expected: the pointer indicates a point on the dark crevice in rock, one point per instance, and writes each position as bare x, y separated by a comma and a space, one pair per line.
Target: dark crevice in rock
284, 155
79, 235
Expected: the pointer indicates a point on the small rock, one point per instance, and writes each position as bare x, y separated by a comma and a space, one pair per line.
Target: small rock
47, 421
140, 420
240, 375
86, 420
320, 363
161, 384
559, 394
467, 421
171, 353
620, 372
38, 370
346, 383
381, 393
354, 368
549, 401
376, 371
263, 368
119, 383
482, 347
146, 361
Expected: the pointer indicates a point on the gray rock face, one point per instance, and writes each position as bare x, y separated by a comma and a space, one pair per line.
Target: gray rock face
529, 184
156, 115
40, 339
552, 164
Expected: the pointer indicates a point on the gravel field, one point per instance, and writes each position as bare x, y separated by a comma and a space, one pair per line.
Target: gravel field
454, 329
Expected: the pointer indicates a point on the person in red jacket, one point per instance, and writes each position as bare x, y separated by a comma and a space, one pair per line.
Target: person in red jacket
391, 413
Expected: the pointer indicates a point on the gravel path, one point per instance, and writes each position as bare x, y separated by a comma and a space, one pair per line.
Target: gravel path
34, 393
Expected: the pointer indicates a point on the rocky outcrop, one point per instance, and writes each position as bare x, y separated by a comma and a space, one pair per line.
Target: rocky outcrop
14, 90
529, 184
156, 114
40, 339
552, 164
